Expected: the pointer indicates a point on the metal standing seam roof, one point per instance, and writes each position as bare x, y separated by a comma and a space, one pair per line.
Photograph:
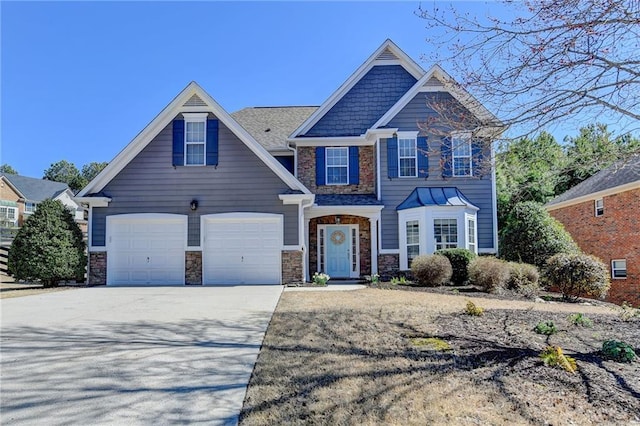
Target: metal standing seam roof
34, 189
621, 173
271, 126
436, 196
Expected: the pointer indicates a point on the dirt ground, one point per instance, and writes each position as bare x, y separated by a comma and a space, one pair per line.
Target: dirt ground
9, 288
358, 358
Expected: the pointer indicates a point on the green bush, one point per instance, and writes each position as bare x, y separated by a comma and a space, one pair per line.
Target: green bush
489, 273
460, 259
618, 351
577, 275
49, 247
546, 327
524, 279
532, 235
431, 270
580, 319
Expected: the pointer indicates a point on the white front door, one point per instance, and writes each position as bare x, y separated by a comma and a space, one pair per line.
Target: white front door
146, 249
241, 248
341, 251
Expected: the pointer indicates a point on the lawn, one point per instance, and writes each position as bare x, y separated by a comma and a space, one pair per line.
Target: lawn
399, 357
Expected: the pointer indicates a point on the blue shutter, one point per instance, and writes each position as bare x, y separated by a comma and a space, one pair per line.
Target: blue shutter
321, 179
446, 159
477, 157
354, 166
392, 157
212, 142
423, 157
178, 142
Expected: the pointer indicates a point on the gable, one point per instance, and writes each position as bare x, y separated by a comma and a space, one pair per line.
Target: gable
365, 102
419, 110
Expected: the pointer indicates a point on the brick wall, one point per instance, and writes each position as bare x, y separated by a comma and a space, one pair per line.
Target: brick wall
614, 235
388, 266
193, 267
292, 262
97, 268
367, 179
364, 229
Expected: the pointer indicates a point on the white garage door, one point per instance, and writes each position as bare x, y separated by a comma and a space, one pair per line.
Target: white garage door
146, 249
241, 248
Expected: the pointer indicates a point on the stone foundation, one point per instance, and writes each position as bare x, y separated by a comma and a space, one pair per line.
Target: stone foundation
97, 268
193, 268
292, 266
388, 266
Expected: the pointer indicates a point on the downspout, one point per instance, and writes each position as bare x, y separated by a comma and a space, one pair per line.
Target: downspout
303, 236
295, 158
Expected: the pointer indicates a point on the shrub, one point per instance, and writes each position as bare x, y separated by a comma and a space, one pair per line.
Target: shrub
628, 312
578, 275
489, 273
49, 247
618, 351
524, 279
553, 356
431, 270
460, 259
532, 235
473, 310
546, 327
580, 320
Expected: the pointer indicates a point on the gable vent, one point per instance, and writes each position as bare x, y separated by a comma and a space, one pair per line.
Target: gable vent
195, 101
386, 55
433, 82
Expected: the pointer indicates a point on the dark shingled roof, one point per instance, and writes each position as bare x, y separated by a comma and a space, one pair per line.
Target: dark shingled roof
36, 190
422, 197
271, 126
621, 173
347, 200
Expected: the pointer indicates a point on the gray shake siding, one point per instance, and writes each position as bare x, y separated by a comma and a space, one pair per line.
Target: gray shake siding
394, 191
240, 183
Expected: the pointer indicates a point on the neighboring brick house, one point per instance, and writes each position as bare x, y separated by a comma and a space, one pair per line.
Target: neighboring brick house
602, 214
20, 195
273, 194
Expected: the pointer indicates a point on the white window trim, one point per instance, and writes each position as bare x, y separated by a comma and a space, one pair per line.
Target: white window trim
595, 207
470, 218
31, 211
195, 118
408, 135
613, 269
326, 165
407, 242
458, 233
468, 137
353, 273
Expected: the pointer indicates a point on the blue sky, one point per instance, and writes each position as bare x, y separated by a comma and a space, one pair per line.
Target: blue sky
80, 79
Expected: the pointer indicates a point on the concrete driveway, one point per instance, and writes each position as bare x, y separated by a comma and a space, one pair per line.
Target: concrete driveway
162, 355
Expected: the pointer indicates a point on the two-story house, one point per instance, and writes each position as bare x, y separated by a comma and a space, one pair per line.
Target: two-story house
359, 185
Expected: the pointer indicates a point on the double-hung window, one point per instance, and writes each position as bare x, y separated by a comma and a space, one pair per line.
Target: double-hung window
195, 139
29, 207
462, 158
619, 269
599, 207
413, 240
8, 214
337, 166
407, 159
471, 234
445, 232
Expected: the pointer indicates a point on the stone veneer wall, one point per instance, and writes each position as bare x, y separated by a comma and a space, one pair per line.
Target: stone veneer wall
388, 266
367, 172
292, 266
193, 268
97, 268
364, 229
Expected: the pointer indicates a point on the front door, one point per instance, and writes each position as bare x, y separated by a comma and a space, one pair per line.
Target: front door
338, 251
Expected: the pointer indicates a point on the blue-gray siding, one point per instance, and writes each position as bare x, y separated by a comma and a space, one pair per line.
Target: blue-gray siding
394, 192
240, 183
365, 103
418, 110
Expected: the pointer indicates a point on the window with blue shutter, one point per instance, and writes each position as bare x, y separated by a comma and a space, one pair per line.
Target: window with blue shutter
392, 157
354, 166
446, 159
423, 157
178, 142
320, 166
212, 142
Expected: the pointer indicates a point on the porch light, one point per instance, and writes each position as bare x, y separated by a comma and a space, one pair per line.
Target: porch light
337, 220
194, 204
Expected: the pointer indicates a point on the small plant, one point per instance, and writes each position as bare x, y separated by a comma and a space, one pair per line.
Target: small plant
618, 351
399, 280
431, 270
432, 343
546, 327
473, 310
460, 259
553, 356
375, 278
489, 273
628, 312
580, 320
578, 275
320, 278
